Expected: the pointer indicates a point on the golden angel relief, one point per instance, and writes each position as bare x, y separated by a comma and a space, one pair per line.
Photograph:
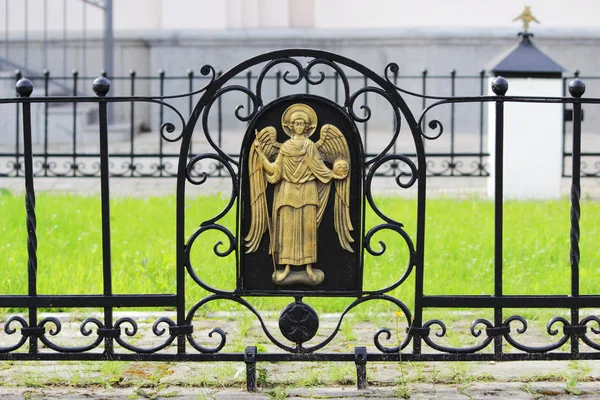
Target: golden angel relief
302, 183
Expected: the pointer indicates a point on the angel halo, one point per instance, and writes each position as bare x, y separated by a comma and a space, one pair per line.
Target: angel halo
302, 183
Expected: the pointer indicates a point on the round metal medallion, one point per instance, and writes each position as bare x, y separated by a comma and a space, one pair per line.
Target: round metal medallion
298, 322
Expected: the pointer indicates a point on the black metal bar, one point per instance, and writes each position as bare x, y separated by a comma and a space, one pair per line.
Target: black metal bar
452, 115
424, 93
366, 123
191, 103
250, 360
46, 93
394, 150
220, 125
74, 165
18, 168
88, 301
278, 84
132, 124
305, 357
336, 80
161, 92
481, 121
101, 88
360, 360
306, 84
499, 86
249, 87
576, 89
511, 301
108, 50
24, 89
564, 131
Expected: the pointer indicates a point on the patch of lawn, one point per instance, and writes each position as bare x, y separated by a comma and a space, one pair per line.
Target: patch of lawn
459, 248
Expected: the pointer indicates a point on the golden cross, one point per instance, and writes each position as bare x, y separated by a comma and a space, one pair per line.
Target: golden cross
526, 17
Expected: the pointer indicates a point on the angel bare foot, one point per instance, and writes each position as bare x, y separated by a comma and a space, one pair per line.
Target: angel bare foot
279, 276
315, 275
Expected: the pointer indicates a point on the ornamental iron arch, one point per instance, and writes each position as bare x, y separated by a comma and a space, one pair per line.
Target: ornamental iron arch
307, 206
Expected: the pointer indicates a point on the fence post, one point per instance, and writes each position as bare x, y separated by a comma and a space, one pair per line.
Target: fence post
360, 359
101, 88
24, 89
250, 360
576, 89
500, 87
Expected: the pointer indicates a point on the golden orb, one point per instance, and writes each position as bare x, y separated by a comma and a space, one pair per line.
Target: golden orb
341, 168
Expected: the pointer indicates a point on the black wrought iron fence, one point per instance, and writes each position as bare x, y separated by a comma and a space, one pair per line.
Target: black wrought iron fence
68, 151
276, 179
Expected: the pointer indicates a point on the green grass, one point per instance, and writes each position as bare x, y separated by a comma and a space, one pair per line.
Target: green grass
458, 258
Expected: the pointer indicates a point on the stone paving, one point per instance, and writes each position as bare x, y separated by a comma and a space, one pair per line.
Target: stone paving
294, 380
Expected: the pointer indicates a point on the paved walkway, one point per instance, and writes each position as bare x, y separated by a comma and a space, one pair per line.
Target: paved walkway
507, 390
294, 380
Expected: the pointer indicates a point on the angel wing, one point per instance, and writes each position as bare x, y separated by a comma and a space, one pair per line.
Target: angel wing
267, 140
333, 147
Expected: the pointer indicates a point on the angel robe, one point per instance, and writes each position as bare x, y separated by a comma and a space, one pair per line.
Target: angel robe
296, 202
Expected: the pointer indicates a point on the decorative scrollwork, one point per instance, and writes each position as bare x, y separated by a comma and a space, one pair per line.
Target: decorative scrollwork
453, 167
388, 336
464, 350
585, 338
586, 171
58, 328
226, 252
210, 350
340, 74
397, 117
388, 333
211, 101
10, 330
134, 329
299, 348
409, 244
286, 75
433, 124
205, 71
549, 329
199, 177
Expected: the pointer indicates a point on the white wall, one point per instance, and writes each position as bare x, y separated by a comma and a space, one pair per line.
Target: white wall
455, 13
532, 141
244, 14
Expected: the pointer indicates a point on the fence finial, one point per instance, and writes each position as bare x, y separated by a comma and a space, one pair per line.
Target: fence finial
576, 87
500, 86
24, 87
101, 86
